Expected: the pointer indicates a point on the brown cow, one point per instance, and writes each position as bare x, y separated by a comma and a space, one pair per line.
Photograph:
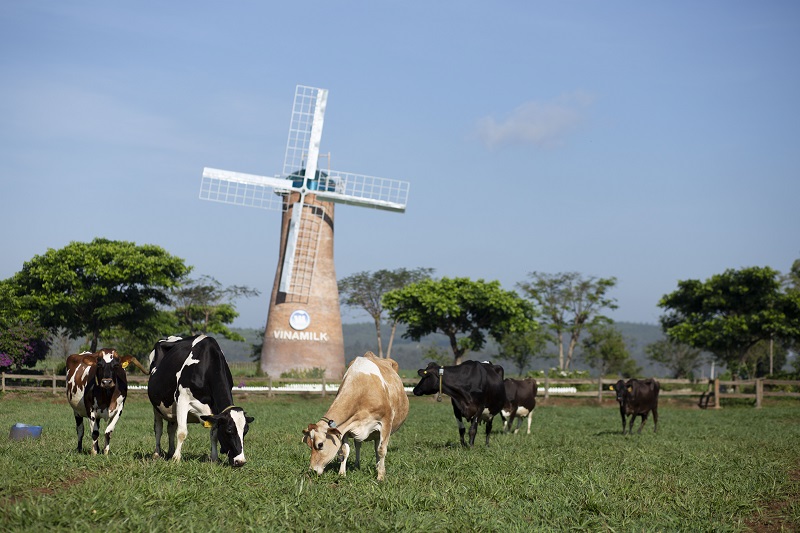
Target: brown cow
96, 388
637, 397
371, 405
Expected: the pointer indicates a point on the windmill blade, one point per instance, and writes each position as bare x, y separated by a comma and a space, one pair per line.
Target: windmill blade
305, 130
302, 244
365, 191
249, 190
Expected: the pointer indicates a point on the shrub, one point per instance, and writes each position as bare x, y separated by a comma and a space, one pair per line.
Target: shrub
22, 344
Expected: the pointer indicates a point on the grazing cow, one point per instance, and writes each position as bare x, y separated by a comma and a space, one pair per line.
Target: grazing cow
190, 382
96, 388
520, 402
371, 405
638, 397
475, 389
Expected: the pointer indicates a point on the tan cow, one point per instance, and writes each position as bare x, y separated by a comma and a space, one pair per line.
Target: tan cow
371, 405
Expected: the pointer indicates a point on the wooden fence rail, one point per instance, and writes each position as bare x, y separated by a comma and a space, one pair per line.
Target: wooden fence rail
709, 392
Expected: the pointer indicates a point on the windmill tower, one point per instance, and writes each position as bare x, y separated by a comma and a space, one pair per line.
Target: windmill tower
304, 325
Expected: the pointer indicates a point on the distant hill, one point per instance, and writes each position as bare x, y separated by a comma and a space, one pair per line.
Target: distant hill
360, 338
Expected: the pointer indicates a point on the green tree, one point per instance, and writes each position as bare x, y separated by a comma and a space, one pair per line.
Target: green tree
204, 306
365, 290
681, 359
605, 350
569, 303
520, 347
729, 313
89, 288
462, 309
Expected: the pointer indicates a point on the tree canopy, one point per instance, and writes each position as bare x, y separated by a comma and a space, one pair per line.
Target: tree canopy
681, 359
365, 290
730, 313
462, 309
89, 288
605, 350
569, 303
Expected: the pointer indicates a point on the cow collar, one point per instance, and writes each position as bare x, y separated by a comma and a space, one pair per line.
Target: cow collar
331, 423
441, 374
207, 424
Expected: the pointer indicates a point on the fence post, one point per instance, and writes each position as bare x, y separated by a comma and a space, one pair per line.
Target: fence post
270, 394
546, 386
599, 389
54, 383
759, 392
323, 385
4, 382
716, 393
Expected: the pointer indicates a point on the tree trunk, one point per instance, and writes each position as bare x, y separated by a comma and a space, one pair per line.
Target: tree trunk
573, 341
560, 352
378, 333
391, 339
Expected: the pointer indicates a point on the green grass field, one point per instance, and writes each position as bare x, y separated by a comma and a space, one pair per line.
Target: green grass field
727, 470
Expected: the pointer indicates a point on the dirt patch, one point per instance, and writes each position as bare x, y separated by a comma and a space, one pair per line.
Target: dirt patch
774, 517
46, 491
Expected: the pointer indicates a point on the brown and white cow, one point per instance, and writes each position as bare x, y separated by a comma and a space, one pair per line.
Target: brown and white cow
96, 389
520, 402
371, 405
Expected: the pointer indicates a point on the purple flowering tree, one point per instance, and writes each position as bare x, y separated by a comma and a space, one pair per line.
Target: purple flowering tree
22, 344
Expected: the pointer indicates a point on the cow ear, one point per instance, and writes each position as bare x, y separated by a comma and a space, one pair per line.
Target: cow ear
249, 419
208, 420
334, 431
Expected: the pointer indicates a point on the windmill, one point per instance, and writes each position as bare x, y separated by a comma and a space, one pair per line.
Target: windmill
304, 325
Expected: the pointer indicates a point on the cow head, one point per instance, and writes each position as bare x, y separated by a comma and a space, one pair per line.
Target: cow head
429, 384
621, 389
325, 441
231, 426
109, 369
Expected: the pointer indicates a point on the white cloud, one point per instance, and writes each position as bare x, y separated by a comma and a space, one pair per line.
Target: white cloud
542, 124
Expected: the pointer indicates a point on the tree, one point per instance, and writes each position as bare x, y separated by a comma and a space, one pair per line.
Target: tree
520, 347
678, 357
569, 303
459, 306
604, 349
365, 290
729, 313
22, 343
204, 306
88, 288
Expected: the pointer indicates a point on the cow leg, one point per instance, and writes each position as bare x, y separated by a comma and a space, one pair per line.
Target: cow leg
473, 429
510, 421
172, 429
644, 419
630, 425
381, 445
95, 421
79, 430
459, 416
655, 419
622, 414
488, 429
357, 443
158, 429
344, 453
214, 452
112, 423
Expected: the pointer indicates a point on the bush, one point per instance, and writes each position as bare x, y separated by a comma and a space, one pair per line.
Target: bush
22, 344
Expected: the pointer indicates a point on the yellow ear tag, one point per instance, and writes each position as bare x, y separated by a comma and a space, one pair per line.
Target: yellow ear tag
125, 364
630, 389
611, 387
207, 424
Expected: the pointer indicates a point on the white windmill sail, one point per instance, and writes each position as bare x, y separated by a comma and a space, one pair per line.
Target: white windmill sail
301, 175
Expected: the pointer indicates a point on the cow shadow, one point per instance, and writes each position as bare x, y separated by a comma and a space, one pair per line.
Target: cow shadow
185, 457
606, 432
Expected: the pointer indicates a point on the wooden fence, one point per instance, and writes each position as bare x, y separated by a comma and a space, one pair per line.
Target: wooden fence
709, 393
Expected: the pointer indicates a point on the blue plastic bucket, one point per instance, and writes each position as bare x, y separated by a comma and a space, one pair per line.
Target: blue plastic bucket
21, 431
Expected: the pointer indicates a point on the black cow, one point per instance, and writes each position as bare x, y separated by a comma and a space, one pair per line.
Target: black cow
520, 402
475, 389
190, 382
637, 397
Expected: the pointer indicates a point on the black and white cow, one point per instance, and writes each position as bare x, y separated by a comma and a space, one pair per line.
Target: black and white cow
475, 389
190, 382
96, 389
637, 397
520, 402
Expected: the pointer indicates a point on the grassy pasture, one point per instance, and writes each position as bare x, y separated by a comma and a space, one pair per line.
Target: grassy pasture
704, 471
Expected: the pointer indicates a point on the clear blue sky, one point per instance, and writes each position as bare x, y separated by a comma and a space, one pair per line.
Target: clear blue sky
651, 141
